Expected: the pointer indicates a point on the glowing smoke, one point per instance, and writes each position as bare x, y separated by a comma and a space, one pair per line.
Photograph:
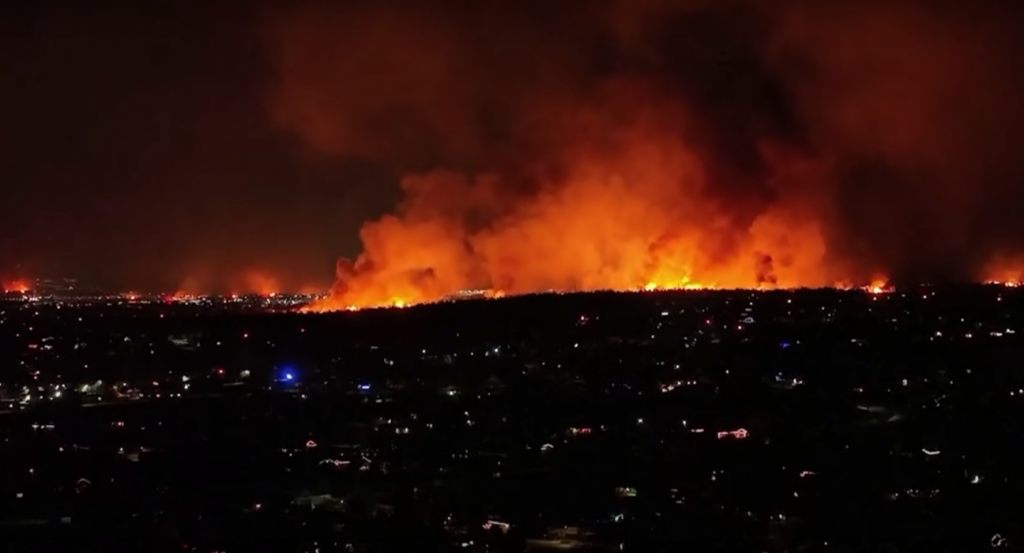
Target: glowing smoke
567, 145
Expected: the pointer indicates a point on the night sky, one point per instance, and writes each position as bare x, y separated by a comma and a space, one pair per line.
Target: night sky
136, 150
146, 144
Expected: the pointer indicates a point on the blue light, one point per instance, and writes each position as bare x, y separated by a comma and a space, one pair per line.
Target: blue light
286, 374
364, 387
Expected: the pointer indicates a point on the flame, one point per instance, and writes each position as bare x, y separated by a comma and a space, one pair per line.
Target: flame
592, 233
613, 190
683, 283
641, 164
1007, 272
878, 285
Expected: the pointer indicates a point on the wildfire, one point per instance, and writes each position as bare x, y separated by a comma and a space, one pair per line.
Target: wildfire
555, 173
878, 286
582, 239
1006, 283
359, 288
1005, 272
16, 286
365, 289
680, 284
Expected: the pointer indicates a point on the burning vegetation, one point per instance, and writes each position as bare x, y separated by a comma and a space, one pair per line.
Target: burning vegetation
651, 145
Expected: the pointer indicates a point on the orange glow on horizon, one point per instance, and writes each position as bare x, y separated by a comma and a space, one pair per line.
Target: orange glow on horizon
258, 283
327, 304
19, 286
532, 169
355, 300
632, 214
243, 283
1005, 272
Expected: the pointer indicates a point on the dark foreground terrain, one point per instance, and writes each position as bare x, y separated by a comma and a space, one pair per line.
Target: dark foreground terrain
696, 421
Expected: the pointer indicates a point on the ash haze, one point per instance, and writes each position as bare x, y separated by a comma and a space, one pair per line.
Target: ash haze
517, 146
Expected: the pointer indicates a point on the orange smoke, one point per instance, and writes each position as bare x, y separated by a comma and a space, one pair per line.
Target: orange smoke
628, 214
251, 282
16, 286
258, 283
652, 144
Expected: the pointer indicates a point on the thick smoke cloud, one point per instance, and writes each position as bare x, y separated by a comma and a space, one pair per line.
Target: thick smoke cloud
622, 144
914, 102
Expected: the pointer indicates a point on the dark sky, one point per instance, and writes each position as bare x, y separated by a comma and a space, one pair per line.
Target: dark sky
136, 150
146, 144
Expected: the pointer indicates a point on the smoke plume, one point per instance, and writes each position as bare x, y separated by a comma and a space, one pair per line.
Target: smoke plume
630, 144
